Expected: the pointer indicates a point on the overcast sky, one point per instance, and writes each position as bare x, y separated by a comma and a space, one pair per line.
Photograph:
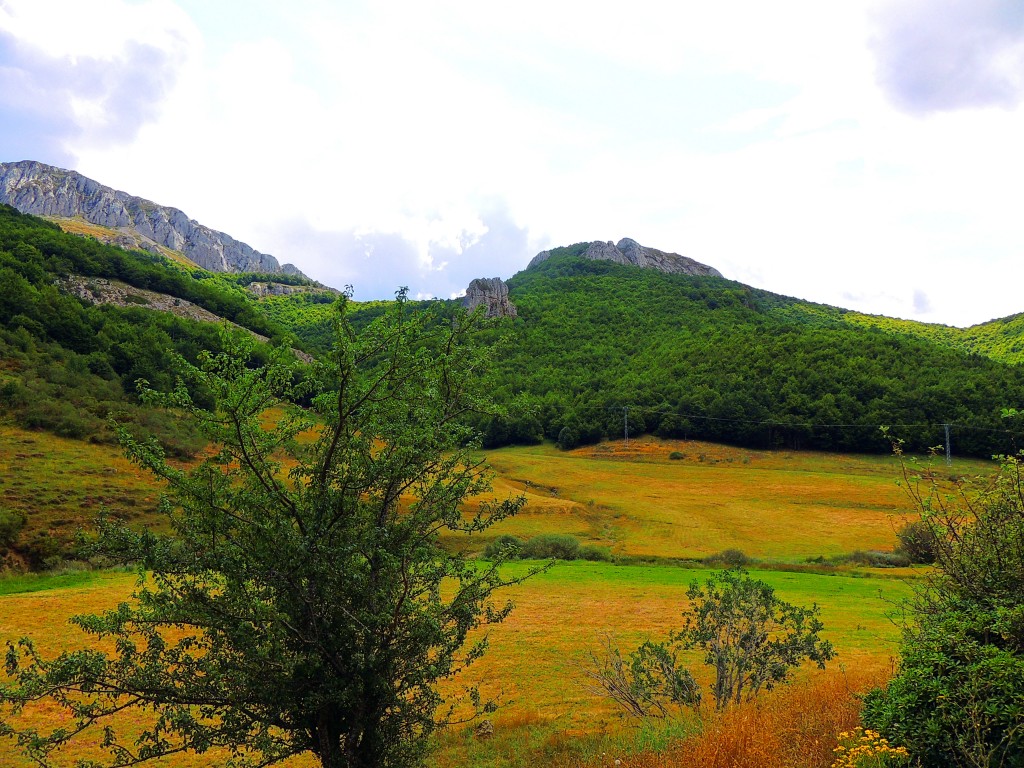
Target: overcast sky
864, 154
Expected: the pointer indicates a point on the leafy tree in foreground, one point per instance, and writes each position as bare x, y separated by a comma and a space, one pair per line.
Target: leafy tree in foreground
304, 603
753, 640
958, 696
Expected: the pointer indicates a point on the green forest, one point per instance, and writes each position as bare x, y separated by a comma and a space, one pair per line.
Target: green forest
703, 357
597, 349
68, 365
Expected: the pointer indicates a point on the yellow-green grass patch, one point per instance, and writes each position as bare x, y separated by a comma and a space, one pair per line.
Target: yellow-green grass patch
60, 485
773, 505
532, 662
79, 226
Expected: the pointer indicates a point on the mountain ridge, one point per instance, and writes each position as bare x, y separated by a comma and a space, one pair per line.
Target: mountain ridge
630, 253
45, 190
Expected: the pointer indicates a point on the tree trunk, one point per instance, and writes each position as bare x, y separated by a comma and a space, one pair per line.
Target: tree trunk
330, 750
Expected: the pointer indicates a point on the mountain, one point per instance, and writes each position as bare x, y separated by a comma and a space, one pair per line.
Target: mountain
81, 322
630, 252
44, 190
686, 351
702, 357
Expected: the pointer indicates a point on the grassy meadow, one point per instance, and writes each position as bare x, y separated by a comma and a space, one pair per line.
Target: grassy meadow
778, 507
782, 506
532, 663
60, 485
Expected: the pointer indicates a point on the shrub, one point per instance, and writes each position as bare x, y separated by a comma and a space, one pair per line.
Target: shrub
751, 638
649, 683
677, 455
875, 559
917, 541
506, 546
11, 523
730, 558
595, 553
958, 696
551, 546
568, 438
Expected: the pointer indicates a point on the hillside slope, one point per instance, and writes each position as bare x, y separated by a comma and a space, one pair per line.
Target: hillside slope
82, 322
1001, 339
707, 358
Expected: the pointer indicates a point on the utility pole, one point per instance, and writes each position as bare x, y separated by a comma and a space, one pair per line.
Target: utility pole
949, 453
625, 423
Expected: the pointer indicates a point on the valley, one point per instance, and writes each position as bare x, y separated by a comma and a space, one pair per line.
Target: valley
642, 506
754, 425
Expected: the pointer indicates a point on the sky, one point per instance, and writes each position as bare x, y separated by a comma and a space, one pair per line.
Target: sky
865, 154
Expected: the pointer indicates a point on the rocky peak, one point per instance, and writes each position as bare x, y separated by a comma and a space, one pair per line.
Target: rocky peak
44, 190
628, 251
492, 294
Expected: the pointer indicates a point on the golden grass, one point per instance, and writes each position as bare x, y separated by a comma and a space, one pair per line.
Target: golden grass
794, 727
783, 506
79, 226
61, 484
774, 505
532, 661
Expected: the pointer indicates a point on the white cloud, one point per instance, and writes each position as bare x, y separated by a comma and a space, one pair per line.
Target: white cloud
426, 144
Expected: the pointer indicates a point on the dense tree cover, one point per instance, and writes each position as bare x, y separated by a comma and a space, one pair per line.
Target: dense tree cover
699, 357
69, 365
310, 316
307, 315
1001, 339
305, 604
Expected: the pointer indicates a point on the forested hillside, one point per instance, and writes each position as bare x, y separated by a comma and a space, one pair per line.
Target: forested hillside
1001, 339
596, 345
66, 364
707, 358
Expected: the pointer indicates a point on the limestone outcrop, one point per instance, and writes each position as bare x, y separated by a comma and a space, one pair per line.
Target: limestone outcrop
262, 290
44, 190
628, 251
492, 294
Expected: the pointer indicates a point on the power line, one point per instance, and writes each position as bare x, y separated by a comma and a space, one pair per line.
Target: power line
946, 426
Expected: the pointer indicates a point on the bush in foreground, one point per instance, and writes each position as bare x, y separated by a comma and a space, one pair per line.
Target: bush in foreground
958, 697
748, 636
794, 727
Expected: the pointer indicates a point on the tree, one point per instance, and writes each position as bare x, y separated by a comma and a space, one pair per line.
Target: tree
917, 540
304, 602
958, 696
648, 683
753, 639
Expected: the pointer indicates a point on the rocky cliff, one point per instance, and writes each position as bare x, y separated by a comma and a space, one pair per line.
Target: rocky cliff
628, 251
492, 294
44, 190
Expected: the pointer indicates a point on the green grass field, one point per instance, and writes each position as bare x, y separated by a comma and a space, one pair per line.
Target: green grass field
532, 662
